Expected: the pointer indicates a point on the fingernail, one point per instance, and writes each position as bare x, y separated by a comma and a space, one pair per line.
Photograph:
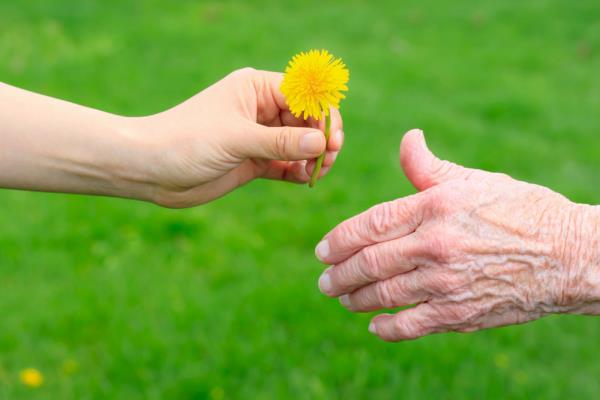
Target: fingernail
423, 144
372, 328
325, 282
339, 136
312, 143
322, 250
335, 156
324, 171
345, 300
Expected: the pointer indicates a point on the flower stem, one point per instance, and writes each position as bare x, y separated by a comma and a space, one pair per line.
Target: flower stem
319, 163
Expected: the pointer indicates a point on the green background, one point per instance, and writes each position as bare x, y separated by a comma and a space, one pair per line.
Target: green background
111, 298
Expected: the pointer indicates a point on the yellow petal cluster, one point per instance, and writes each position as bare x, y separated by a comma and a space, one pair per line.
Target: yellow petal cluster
31, 377
313, 82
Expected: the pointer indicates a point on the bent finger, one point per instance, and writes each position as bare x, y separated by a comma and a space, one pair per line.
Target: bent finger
371, 264
398, 291
386, 221
408, 324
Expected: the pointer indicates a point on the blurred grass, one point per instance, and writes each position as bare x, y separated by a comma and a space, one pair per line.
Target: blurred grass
118, 299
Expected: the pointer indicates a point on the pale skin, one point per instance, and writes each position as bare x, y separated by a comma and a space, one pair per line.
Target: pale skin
233, 132
471, 250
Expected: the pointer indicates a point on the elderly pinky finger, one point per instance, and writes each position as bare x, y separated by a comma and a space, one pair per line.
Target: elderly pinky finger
408, 324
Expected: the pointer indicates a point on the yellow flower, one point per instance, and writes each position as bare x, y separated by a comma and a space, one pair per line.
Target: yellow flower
313, 82
31, 377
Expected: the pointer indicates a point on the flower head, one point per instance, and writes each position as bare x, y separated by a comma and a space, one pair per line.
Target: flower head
31, 377
313, 82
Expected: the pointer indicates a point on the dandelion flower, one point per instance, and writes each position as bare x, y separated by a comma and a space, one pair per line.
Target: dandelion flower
313, 83
31, 377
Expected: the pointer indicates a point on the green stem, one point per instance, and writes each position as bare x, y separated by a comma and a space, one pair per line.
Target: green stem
319, 163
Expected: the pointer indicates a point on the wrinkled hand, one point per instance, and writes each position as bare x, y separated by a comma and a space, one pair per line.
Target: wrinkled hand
472, 250
237, 130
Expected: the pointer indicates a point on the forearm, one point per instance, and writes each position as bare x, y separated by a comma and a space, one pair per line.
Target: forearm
48, 144
582, 247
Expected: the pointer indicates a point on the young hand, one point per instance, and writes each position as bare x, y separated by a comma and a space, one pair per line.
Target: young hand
236, 130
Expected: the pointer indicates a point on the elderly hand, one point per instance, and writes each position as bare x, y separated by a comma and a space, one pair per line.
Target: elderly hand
237, 130
471, 250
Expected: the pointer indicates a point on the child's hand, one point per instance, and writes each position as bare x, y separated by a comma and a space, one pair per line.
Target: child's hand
237, 130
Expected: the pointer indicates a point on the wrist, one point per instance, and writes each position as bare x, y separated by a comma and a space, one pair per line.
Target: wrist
130, 160
153, 170
581, 260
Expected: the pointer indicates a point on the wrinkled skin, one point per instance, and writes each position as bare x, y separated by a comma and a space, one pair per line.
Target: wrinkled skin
471, 250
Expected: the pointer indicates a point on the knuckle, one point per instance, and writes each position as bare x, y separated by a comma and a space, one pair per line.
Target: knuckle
283, 142
347, 276
457, 316
380, 219
370, 259
385, 294
443, 283
242, 72
409, 329
345, 235
438, 248
442, 168
398, 208
342, 234
446, 201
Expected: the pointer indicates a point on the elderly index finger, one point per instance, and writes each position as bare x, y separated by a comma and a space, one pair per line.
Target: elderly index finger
383, 222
